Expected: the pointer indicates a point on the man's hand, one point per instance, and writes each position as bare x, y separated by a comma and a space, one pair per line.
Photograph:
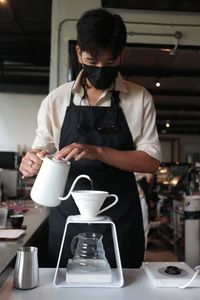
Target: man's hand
78, 151
32, 162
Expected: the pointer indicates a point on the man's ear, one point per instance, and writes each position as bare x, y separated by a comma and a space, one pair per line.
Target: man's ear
79, 54
122, 56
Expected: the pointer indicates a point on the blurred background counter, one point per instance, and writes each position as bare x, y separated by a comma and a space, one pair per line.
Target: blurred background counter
35, 234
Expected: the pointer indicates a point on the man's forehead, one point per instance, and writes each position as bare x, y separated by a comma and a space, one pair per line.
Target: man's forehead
106, 54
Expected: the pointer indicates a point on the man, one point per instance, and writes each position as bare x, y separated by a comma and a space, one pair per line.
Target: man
106, 127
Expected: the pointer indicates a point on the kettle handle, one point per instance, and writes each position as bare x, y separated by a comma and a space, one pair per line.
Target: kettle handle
41, 158
74, 183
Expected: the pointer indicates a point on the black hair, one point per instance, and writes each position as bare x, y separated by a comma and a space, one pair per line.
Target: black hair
99, 30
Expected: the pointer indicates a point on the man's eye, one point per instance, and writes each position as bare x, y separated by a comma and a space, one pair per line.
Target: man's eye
91, 62
110, 63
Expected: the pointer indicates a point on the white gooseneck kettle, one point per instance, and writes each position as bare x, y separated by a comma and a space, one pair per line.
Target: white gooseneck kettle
50, 182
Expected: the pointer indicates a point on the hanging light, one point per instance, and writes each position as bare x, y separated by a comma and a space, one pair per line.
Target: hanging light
167, 123
157, 83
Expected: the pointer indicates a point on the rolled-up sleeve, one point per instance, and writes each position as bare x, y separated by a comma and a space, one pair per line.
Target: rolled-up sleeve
44, 133
148, 140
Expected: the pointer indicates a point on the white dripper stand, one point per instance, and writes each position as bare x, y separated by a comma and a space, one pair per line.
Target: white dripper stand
89, 266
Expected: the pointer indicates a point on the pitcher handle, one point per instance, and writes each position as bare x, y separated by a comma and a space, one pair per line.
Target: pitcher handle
73, 244
74, 183
107, 207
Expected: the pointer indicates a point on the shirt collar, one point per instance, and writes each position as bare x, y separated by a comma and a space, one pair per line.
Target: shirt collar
119, 84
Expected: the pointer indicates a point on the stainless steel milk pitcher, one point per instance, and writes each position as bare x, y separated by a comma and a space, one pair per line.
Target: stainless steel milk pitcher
26, 274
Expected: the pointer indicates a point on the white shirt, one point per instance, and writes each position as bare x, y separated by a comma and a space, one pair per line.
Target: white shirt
136, 102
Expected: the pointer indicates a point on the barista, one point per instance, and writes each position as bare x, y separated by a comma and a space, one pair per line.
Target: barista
105, 126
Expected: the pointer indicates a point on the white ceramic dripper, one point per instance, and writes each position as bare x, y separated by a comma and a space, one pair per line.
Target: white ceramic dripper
89, 202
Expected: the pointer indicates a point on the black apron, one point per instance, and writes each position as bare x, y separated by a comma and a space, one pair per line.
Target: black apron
103, 126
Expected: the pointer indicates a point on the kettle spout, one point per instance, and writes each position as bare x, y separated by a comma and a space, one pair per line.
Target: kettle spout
73, 185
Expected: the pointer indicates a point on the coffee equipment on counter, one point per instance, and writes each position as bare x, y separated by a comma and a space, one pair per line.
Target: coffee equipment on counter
16, 220
89, 266
1, 192
93, 269
9, 160
50, 182
194, 179
26, 273
9, 174
192, 229
87, 248
192, 217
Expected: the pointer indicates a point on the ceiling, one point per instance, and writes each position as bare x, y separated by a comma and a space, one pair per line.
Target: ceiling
25, 33
177, 100
25, 57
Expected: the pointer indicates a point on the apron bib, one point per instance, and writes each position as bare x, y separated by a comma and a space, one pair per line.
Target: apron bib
103, 126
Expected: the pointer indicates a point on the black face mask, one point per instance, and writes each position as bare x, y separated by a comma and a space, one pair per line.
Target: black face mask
100, 77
